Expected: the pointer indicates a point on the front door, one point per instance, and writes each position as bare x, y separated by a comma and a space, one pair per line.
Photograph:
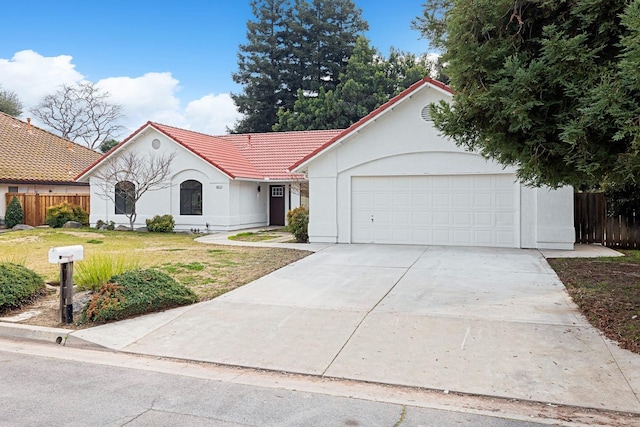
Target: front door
276, 205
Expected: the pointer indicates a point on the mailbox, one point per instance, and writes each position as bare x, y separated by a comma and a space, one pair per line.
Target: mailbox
64, 254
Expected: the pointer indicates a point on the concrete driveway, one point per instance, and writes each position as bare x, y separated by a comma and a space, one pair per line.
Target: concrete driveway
485, 321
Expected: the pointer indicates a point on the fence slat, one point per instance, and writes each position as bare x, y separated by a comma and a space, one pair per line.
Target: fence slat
589, 217
35, 205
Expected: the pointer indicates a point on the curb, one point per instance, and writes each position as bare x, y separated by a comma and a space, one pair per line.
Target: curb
57, 336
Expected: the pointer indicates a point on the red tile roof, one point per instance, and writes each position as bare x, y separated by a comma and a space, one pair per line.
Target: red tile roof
272, 153
31, 154
259, 156
263, 156
402, 95
222, 154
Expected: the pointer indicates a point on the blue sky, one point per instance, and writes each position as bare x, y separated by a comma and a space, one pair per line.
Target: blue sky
163, 61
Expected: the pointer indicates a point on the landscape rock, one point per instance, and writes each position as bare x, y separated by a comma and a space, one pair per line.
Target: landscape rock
80, 300
18, 227
122, 228
72, 224
142, 230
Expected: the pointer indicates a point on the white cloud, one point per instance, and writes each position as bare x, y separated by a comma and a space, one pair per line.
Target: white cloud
152, 96
32, 76
212, 114
149, 97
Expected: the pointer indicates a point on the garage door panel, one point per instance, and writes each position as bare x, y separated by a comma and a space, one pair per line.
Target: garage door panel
483, 200
463, 200
505, 200
469, 210
462, 237
402, 200
462, 219
461, 182
441, 200
504, 238
483, 219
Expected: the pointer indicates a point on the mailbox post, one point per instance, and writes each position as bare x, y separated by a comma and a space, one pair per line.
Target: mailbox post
65, 256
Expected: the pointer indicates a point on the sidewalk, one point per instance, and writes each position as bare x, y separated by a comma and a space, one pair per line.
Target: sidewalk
222, 238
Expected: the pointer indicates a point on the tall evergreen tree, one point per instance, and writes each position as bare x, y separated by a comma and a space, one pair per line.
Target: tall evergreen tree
292, 45
368, 81
332, 28
550, 87
260, 61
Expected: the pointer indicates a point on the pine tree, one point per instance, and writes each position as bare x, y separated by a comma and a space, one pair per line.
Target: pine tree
331, 30
368, 81
292, 45
550, 87
259, 67
14, 214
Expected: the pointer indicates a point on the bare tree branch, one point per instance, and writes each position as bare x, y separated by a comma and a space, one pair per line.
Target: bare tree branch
80, 113
145, 172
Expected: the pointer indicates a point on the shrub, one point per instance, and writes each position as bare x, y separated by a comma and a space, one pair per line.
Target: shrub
14, 214
136, 292
18, 285
96, 270
59, 214
110, 226
161, 224
298, 220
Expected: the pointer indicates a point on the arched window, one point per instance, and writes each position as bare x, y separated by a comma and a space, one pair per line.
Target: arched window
191, 198
125, 197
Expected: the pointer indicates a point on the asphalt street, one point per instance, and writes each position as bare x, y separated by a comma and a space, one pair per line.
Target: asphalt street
66, 388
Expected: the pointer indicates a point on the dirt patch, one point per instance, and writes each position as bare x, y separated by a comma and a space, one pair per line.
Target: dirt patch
607, 291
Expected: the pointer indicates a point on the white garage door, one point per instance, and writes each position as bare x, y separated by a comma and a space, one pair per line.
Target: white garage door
460, 210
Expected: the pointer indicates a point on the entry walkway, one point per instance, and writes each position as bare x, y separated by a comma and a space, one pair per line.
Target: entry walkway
494, 322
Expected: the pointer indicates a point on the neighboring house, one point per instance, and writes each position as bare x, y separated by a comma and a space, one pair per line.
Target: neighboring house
225, 182
392, 178
36, 161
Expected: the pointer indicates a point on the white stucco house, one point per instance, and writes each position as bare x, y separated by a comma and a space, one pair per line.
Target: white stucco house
227, 182
392, 178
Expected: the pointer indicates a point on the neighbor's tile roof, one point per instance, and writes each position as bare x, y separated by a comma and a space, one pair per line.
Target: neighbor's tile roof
31, 154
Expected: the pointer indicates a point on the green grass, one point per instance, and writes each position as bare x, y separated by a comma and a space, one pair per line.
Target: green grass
258, 236
97, 269
209, 270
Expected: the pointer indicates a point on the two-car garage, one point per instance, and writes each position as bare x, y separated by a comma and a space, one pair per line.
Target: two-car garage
393, 178
460, 210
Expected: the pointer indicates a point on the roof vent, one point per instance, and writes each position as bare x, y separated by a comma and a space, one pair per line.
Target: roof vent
426, 113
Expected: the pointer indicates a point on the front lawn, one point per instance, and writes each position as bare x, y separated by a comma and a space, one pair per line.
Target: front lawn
607, 290
208, 270
259, 236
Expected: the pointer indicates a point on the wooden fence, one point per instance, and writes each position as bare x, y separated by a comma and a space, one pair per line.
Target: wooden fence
35, 205
592, 224
622, 233
589, 217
